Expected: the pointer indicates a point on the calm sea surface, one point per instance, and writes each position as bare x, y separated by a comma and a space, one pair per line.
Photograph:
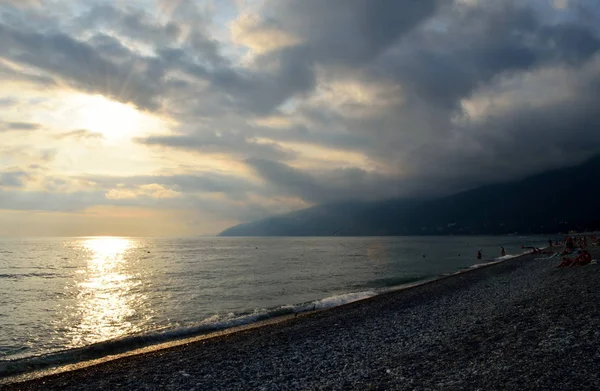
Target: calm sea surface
63, 293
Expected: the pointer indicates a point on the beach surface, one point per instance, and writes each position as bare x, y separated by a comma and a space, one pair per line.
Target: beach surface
518, 324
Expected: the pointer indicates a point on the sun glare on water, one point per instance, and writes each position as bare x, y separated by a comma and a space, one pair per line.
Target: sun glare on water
106, 300
107, 248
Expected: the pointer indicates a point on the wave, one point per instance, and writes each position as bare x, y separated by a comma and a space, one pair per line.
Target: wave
218, 322
214, 323
25, 275
508, 256
394, 281
478, 265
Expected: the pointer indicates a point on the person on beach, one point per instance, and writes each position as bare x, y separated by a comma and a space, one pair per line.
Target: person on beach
569, 245
479, 255
502, 251
549, 242
534, 250
582, 259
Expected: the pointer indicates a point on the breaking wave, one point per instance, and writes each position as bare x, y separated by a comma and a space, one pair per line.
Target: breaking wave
211, 324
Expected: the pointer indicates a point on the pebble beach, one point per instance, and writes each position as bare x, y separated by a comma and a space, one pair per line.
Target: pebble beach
517, 324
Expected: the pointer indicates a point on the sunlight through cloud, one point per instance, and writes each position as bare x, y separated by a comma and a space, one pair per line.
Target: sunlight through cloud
112, 119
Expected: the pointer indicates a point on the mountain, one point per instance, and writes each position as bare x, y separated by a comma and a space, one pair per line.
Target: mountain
554, 201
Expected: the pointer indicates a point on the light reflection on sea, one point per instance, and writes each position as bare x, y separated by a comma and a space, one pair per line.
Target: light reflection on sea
106, 299
60, 293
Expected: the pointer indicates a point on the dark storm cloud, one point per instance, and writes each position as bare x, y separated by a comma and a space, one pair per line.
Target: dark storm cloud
428, 136
79, 64
8, 73
347, 31
109, 46
530, 138
441, 67
326, 185
353, 32
140, 26
478, 50
474, 101
102, 64
133, 23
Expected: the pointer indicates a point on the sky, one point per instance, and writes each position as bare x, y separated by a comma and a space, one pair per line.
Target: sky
184, 117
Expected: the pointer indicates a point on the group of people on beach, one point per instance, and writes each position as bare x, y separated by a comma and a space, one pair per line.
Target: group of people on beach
582, 256
480, 253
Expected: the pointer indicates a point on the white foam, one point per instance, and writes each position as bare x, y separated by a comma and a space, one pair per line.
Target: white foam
507, 256
478, 265
337, 300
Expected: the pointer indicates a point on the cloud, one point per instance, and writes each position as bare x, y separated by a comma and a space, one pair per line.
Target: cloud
261, 36
13, 179
153, 190
433, 96
560, 4
19, 75
8, 102
82, 134
328, 185
18, 126
399, 93
348, 32
213, 196
22, 3
80, 65
229, 143
192, 183
48, 201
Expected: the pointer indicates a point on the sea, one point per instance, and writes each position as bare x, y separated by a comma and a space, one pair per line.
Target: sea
60, 294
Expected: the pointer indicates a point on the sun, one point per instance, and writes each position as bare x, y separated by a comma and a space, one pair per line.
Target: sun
112, 119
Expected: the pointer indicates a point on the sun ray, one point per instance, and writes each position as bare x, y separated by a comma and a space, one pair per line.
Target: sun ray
116, 121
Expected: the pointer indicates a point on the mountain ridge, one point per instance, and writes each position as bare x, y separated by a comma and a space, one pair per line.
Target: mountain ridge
553, 201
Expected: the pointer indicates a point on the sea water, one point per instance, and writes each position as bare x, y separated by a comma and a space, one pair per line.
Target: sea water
63, 293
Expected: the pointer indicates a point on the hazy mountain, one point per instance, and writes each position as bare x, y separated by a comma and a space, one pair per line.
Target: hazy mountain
555, 201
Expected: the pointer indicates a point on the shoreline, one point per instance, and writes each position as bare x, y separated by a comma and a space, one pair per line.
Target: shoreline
68, 360
427, 291
40, 368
